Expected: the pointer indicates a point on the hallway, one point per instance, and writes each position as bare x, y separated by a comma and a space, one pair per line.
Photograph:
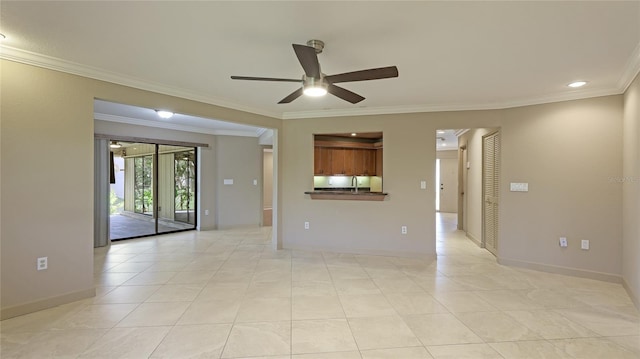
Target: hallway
225, 294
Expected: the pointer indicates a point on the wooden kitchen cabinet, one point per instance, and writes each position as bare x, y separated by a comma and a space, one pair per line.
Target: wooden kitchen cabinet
342, 161
378, 161
364, 162
329, 161
322, 161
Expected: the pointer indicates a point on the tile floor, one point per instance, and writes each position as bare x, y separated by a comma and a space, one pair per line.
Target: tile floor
225, 294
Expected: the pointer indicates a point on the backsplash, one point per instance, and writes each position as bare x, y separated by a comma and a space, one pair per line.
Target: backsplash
375, 183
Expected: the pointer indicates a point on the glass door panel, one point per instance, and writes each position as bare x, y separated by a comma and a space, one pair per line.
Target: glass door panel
176, 188
154, 190
132, 193
185, 185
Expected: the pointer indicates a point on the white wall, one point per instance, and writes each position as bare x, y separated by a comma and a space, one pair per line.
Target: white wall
630, 182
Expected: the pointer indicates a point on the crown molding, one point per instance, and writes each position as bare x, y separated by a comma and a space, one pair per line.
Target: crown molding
174, 126
573, 95
632, 68
53, 63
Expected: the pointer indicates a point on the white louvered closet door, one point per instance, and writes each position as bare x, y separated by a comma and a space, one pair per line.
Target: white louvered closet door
491, 190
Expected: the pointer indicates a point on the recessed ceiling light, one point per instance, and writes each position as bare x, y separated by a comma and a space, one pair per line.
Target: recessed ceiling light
354, 134
164, 114
577, 84
440, 132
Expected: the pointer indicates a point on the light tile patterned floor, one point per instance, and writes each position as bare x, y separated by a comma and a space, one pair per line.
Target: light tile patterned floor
225, 294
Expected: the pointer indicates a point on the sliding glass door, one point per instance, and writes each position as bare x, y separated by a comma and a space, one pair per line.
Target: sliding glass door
154, 190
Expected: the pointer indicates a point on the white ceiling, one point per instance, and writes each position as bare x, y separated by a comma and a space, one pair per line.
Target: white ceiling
450, 55
122, 113
447, 140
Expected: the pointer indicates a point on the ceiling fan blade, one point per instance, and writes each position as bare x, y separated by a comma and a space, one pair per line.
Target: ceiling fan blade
308, 59
264, 79
344, 93
363, 75
294, 95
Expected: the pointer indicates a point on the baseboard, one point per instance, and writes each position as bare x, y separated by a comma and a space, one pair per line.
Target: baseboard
238, 226
426, 256
207, 228
22, 309
575, 272
632, 295
474, 239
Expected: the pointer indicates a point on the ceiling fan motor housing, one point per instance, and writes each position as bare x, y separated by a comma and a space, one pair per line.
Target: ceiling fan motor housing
316, 44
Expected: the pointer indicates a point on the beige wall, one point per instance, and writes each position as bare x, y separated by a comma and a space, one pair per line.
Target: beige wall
566, 152
267, 179
239, 159
448, 154
630, 183
47, 187
47, 143
473, 201
362, 226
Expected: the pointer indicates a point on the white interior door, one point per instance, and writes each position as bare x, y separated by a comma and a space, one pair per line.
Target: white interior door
448, 182
490, 190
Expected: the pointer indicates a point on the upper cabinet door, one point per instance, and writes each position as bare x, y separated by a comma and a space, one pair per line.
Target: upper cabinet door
337, 161
322, 161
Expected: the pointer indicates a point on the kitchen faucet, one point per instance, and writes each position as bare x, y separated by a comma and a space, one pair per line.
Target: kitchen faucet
354, 179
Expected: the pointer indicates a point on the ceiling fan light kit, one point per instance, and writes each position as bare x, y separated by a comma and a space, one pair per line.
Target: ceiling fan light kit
314, 87
315, 83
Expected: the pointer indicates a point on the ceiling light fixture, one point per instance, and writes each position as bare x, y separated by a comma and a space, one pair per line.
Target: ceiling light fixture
164, 114
577, 84
314, 87
2, 37
353, 134
115, 144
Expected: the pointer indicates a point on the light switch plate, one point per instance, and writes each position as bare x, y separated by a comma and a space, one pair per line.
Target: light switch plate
228, 181
519, 187
423, 184
585, 244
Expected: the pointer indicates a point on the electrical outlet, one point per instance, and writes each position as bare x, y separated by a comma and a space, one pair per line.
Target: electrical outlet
423, 184
403, 229
306, 225
585, 244
42, 263
206, 212
563, 242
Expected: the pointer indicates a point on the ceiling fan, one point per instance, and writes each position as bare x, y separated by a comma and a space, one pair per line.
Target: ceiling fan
315, 83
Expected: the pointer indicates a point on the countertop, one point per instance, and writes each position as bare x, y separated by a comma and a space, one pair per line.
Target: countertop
347, 195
